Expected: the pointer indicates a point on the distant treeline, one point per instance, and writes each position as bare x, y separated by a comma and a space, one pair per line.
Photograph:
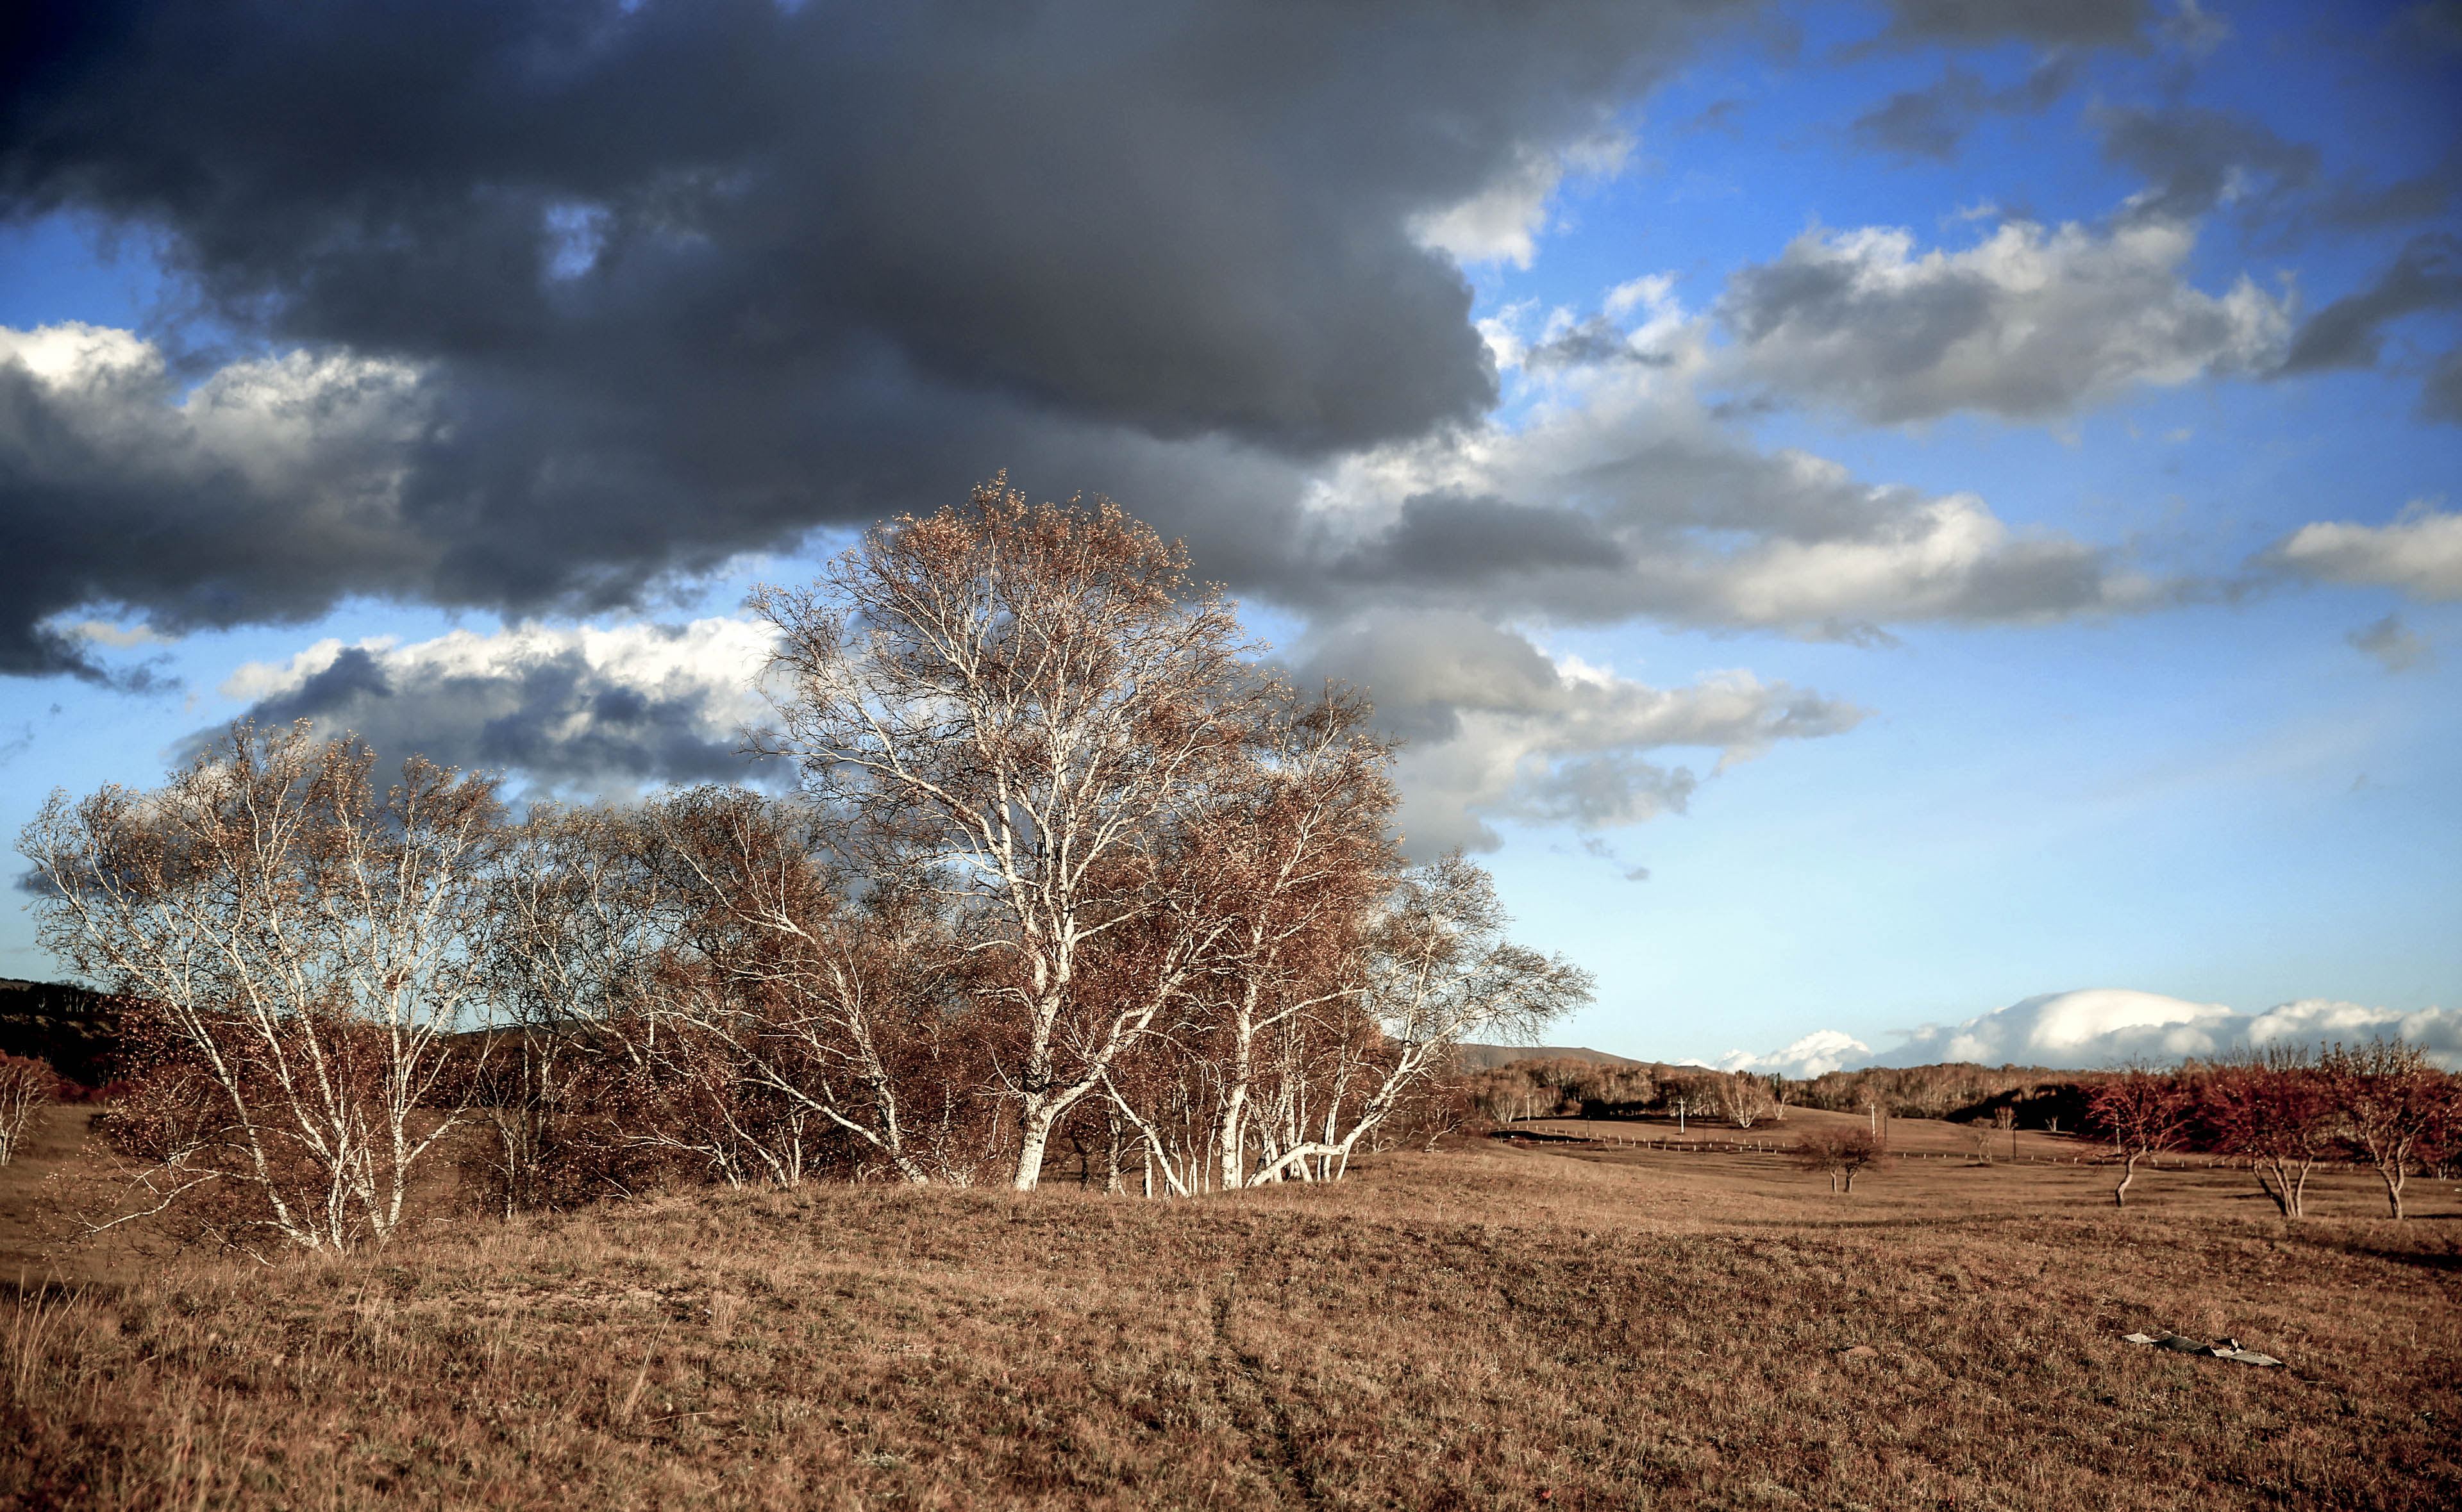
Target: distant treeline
1960, 1092
75, 1031
1566, 1085
1563, 1087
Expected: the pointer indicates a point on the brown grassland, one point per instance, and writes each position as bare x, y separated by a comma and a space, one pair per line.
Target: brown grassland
1485, 1325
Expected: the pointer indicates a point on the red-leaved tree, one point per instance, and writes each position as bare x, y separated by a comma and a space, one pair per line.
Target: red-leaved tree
2395, 1109
2144, 1112
2277, 1110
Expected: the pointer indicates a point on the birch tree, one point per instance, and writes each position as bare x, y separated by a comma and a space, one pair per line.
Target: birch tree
1282, 875
304, 944
826, 982
1744, 1098
1036, 698
26, 1086
1435, 970
569, 930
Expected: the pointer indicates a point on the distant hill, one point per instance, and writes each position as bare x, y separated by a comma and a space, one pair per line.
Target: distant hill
1488, 1057
74, 1028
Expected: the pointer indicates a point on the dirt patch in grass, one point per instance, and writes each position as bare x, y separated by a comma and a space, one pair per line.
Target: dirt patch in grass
1481, 1327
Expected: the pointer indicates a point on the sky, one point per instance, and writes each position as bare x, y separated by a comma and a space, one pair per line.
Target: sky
1895, 530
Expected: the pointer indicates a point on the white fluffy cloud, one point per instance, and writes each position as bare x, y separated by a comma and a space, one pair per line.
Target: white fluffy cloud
1502, 221
1821, 1050
1499, 729
636, 705
2098, 1027
2419, 553
2085, 1029
2028, 324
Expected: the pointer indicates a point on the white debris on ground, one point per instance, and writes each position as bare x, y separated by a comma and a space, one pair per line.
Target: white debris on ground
2227, 1348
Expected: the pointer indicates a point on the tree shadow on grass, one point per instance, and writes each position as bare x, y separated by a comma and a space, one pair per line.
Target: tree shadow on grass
2447, 1258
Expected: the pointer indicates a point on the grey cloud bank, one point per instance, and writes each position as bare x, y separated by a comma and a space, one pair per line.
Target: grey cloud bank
676, 281
604, 710
2028, 324
2043, 22
561, 303
2426, 274
1497, 729
564, 300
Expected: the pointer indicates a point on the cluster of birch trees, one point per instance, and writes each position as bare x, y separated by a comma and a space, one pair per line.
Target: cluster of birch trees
2284, 1110
1066, 871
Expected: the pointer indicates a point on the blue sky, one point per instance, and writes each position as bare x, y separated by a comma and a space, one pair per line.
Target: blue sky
1962, 495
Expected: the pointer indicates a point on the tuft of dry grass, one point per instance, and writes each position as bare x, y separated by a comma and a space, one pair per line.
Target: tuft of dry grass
1479, 1328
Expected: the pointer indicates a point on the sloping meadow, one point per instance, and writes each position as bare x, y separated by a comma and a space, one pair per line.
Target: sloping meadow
1473, 1329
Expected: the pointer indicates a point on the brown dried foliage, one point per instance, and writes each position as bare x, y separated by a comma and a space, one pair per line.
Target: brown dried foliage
1061, 854
301, 944
1838, 1152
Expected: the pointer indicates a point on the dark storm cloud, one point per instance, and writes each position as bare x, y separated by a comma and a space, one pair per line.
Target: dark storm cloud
1443, 538
259, 495
668, 281
2194, 160
1931, 122
2361, 205
2101, 23
2350, 332
2441, 397
1924, 122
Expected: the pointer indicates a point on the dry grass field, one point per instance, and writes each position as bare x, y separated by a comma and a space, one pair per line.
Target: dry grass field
1560, 1325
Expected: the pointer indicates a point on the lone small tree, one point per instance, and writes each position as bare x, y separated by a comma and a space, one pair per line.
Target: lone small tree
1837, 1152
2145, 1112
1981, 1135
